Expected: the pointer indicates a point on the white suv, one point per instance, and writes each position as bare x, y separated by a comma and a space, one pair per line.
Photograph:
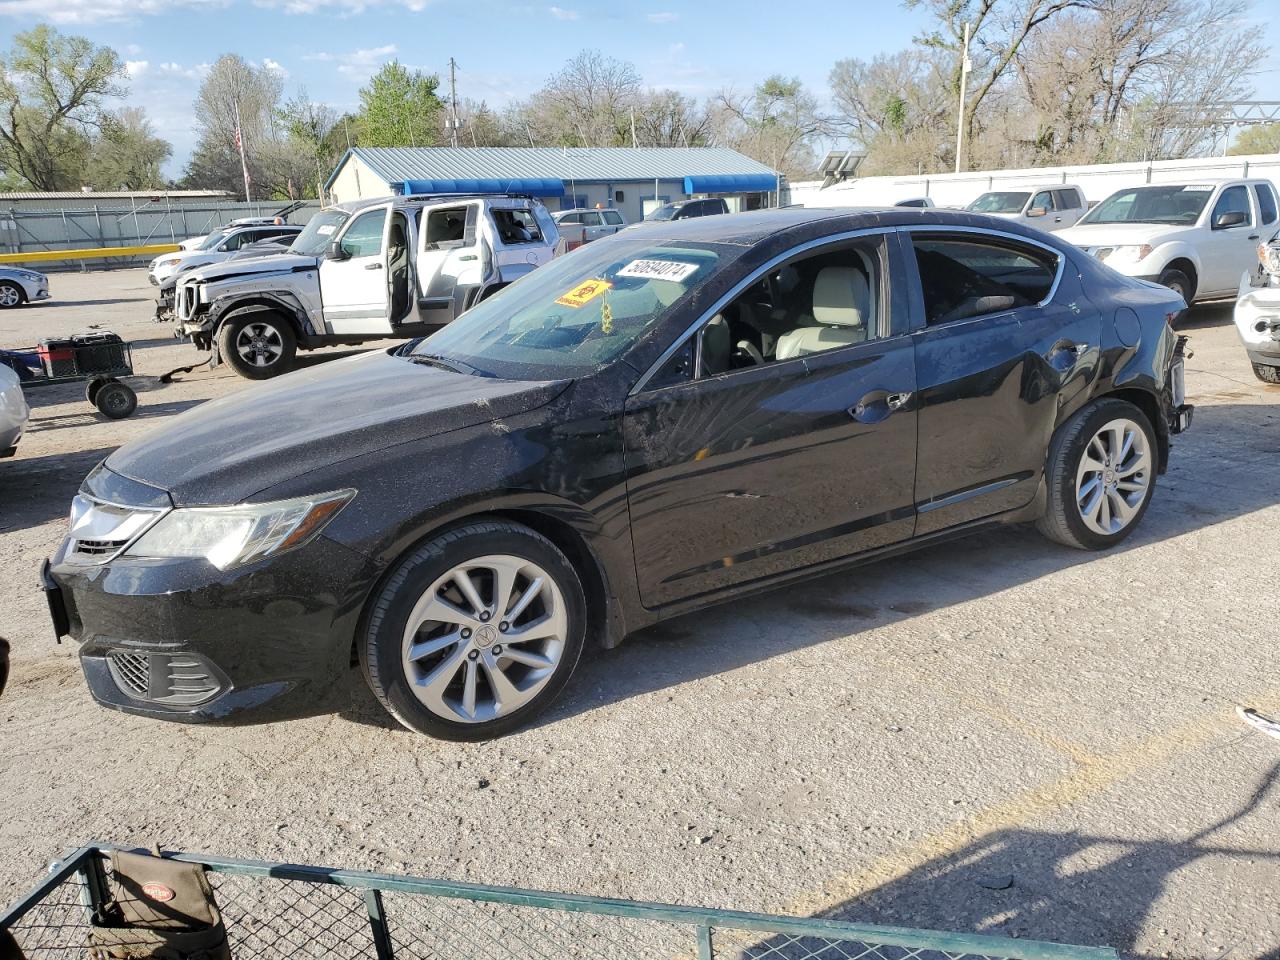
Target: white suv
1195, 238
1048, 208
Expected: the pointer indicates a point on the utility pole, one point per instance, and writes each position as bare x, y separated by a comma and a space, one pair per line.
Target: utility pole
965, 66
454, 124
633, 128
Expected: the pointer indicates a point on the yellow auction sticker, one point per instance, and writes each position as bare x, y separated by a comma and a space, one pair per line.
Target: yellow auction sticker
584, 293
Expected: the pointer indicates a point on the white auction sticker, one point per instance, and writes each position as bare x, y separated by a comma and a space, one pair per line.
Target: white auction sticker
658, 270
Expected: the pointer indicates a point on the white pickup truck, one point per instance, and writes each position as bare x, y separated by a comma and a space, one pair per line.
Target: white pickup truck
394, 267
1195, 238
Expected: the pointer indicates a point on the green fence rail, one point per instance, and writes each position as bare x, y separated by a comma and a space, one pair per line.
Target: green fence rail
278, 910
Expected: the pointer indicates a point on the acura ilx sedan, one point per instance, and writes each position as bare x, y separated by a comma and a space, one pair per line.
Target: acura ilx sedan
667, 418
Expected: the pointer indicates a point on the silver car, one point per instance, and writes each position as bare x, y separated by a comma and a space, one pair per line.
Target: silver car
13, 411
19, 286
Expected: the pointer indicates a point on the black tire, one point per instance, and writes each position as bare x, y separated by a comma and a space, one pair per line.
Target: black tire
381, 643
1177, 281
10, 289
91, 389
278, 344
1266, 373
1062, 520
115, 400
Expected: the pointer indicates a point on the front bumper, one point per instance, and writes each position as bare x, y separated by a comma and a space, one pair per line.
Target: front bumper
1257, 319
181, 640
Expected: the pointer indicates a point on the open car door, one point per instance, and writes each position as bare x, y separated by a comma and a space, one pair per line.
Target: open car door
450, 262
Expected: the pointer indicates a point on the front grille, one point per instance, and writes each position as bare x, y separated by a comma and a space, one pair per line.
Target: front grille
132, 672
97, 548
179, 679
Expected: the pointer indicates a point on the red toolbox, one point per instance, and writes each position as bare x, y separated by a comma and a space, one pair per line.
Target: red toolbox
57, 356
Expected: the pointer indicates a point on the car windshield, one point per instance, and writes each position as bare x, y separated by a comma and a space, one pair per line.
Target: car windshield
999, 201
1182, 203
578, 313
315, 236
213, 239
665, 212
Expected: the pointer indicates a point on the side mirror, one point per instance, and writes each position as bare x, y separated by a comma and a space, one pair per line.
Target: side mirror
1232, 219
1038, 212
335, 251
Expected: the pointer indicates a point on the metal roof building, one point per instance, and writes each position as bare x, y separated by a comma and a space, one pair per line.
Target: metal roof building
631, 179
114, 199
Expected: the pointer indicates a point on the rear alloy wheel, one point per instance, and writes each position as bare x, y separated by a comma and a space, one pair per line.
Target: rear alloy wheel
1100, 475
11, 295
1266, 373
258, 346
476, 632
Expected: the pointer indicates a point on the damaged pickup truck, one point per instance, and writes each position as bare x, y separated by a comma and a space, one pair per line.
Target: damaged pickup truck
392, 267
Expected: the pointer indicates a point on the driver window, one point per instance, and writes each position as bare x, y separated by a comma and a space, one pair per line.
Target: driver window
1233, 200
364, 237
816, 303
1041, 201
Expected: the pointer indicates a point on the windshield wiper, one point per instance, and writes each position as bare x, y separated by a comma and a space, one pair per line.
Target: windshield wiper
444, 363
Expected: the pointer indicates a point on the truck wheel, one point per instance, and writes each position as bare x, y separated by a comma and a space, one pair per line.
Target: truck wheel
258, 346
115, 400
1179, 283
1265, 373
1100, 474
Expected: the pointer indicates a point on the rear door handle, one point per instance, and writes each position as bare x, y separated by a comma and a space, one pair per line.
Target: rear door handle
373, 266
1253, 236
468, 256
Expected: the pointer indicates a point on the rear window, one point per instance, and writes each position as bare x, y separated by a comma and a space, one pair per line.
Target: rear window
1266, 202
963, 278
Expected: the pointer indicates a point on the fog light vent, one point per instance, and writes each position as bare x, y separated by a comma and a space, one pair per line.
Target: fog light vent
132, 672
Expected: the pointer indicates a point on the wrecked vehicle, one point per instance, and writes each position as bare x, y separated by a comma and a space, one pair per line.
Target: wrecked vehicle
1257, 312
393, 267
669, 417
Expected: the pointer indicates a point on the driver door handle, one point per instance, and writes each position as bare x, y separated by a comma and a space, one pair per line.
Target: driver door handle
373, 266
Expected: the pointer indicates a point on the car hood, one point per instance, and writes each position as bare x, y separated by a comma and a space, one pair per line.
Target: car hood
271, 263
227, 450
1116, 234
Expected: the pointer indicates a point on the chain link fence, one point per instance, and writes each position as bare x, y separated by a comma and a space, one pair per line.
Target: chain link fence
285, 911
133, 224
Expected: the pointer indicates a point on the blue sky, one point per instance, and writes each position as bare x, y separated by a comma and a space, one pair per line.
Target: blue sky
504, 49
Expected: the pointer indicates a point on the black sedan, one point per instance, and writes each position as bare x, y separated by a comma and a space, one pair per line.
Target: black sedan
662, 420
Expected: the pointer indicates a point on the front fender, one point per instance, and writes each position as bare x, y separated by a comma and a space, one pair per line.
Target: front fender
1166, 253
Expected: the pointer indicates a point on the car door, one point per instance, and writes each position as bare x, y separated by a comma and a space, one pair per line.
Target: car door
1003, 337
353, 286
450, 262
613, 221
1228, 251
741, 469
593, 226
1070, 207
1039, 212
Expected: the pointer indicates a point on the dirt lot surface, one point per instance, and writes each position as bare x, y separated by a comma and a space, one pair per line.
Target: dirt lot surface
886, 745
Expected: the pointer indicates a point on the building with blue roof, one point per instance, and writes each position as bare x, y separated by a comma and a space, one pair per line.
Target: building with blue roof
630, 179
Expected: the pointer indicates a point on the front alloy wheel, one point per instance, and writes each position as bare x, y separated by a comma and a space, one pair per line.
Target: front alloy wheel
258, 345
475, 632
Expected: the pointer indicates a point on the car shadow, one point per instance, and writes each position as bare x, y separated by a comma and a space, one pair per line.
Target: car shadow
1065, 887
1204, 316
35, 490
55, 302
89, 415
1224, 458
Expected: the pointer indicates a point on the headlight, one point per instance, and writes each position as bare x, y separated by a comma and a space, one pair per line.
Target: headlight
1130, 252
168, 263
30, 275
230, 536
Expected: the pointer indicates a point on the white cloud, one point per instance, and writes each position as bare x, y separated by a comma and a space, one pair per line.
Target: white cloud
198, 72
357, 64
274, 66
93, 11
341, 8
664, 16
135, 68
560, 13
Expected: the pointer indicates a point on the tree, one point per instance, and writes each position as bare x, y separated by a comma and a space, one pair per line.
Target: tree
127, 155
52, 90
899, 108
233, 84
1262, 138
312, 130
399, 108
776, 124
668, 118
586, 104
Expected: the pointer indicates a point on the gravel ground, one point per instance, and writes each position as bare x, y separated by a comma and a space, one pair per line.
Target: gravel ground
885, 745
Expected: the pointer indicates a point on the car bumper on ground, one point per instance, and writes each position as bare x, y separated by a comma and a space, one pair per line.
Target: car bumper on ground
181, 640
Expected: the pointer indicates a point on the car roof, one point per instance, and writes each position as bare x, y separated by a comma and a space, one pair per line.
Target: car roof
750, 227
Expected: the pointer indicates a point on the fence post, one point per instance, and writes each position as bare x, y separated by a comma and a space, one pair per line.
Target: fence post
704, 943
378, 924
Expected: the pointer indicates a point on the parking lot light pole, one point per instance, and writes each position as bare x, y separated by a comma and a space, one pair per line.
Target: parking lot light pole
965, 65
